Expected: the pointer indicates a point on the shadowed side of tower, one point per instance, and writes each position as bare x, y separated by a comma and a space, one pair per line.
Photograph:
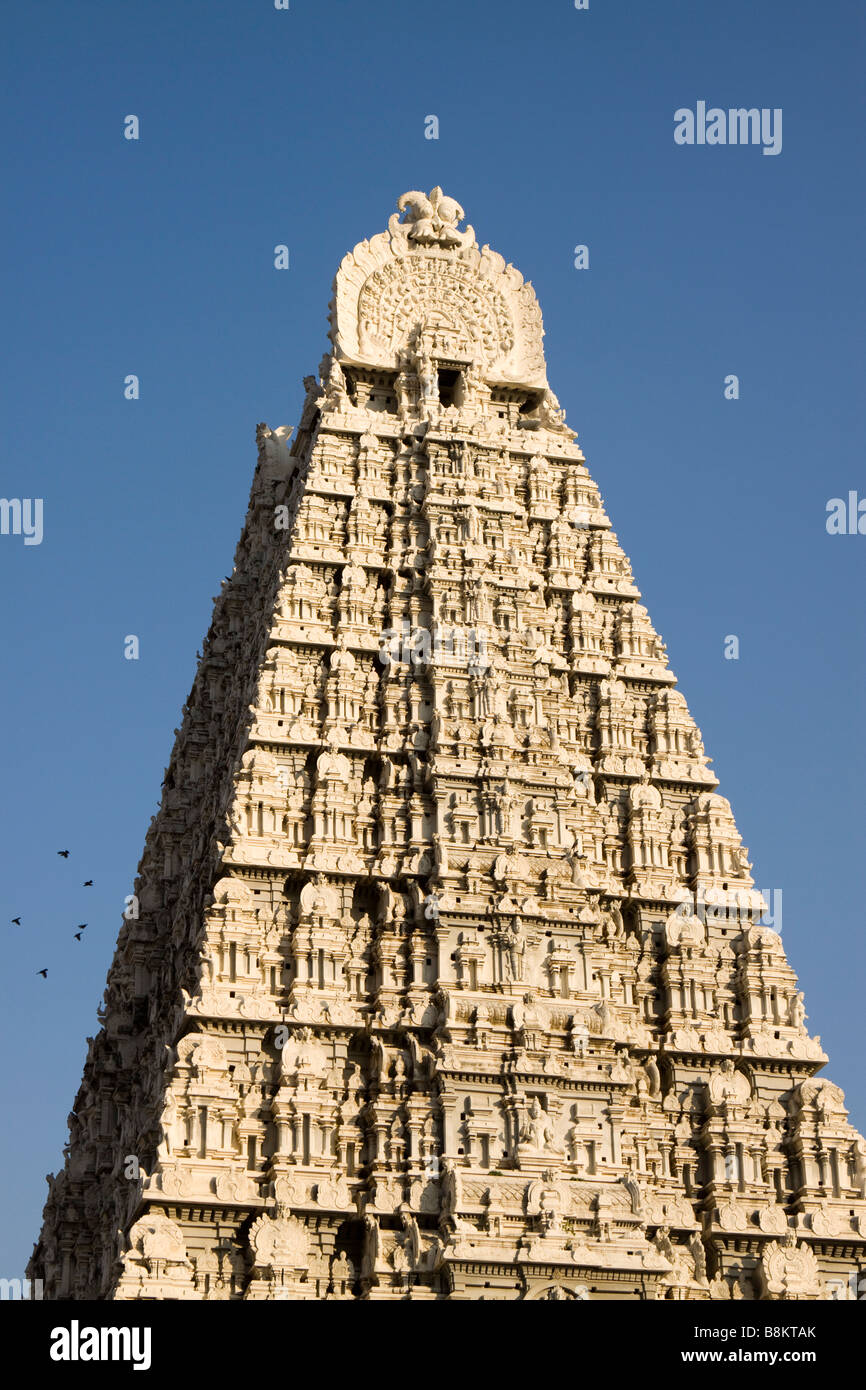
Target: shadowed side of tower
448, 977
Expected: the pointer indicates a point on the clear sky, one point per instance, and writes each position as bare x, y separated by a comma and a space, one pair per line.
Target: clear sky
261, 127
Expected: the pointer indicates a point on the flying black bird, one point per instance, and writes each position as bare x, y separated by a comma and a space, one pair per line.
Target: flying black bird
16, 921
64, 853
78, 935
81, 926
43, 973
88, 883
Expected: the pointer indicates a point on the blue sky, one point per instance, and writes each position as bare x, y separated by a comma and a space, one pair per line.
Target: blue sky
155, 257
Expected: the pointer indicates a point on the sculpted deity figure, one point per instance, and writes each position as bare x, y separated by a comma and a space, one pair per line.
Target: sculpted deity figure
699, 1255
475, 592
496, 692
166, 1127
425, 371
529, 1022
575, 859
450, 1190
312, 401
552, 415
621, 1068
208, 967
405, 386
471, 525
729, 1086
316, 897
578, 1034
370, 1257
537, 1130
504, 808
341, 657
475, 390
583, 787
484, 704
342, 1271
440, 854
797, 1011
663, 1243
411, 1238
354, 579
612, 923
513, 953
653, 1076
336, 395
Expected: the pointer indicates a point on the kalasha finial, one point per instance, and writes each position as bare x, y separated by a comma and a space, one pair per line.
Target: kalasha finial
431, 220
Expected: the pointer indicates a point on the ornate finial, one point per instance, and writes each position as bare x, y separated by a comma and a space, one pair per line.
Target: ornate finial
432, 220
425, 272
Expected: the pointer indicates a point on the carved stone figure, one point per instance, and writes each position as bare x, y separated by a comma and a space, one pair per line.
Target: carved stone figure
726, 1085
537, 1131
797, 1011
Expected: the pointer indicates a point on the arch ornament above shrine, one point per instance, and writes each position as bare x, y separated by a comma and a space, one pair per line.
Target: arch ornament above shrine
425, 285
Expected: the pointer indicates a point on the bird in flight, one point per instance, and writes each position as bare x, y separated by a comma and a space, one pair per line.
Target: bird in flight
43, 973
16, 921
81, 926
88, 883
64, 853
78, 935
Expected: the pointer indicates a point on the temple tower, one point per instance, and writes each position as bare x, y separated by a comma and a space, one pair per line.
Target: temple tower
445, 974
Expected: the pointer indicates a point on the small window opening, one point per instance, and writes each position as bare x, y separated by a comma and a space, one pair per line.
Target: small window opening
448, 381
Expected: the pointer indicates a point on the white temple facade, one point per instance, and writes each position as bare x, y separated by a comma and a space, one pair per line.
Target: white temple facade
445, 975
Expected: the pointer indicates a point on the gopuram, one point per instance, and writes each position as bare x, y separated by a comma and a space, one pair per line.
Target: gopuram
445, 974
